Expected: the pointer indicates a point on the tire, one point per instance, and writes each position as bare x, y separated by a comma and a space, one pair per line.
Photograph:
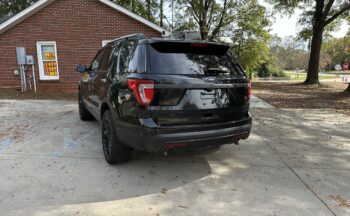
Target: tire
114, 151
84, 114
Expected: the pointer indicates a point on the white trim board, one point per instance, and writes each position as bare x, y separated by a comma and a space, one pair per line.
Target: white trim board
41, 63
43, 3
105, 42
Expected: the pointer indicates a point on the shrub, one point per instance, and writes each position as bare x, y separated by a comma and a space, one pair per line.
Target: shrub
269, 69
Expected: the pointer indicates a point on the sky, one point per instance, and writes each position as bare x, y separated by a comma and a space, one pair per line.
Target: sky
287, 26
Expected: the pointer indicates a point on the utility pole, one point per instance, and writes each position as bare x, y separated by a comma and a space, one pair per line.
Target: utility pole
172, 15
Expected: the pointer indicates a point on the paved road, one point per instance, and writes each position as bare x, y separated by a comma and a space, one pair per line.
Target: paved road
296, 162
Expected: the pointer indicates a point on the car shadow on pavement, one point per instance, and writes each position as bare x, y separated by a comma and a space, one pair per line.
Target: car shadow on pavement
67, 181
58, 160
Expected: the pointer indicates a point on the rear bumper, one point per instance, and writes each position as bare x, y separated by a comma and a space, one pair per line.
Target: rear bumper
158, 139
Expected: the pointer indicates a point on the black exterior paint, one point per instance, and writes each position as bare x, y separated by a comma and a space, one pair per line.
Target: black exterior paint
188, 109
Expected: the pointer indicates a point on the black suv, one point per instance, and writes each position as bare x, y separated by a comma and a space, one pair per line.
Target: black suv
158, 94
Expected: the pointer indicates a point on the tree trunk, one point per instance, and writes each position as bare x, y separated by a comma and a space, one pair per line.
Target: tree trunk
314, 61
204, 30
203, 22
161, 13
347, 89
316, 43
149, 9
239, 45
133, 6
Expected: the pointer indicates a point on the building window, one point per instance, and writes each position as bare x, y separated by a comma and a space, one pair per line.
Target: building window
47, 60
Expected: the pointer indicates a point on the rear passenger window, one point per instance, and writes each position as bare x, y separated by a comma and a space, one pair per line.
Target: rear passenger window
97, 61
125, 52
137, 62
105, 60
114, 61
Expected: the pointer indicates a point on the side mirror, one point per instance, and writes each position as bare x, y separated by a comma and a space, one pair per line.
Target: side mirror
81, 68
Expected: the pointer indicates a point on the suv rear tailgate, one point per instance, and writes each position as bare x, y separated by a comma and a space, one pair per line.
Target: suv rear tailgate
195, 83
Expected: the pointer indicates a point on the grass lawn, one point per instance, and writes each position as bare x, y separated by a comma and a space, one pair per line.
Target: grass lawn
288, 72
302, 77
338, 72
293, 71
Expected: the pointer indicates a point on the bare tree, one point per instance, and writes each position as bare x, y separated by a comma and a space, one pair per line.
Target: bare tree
212, 15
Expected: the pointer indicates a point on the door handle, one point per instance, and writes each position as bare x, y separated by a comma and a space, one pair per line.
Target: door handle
103, 80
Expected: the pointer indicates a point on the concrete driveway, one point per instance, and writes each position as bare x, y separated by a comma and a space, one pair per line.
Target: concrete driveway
296, 162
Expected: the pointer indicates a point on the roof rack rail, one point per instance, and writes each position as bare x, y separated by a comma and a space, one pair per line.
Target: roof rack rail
136, 36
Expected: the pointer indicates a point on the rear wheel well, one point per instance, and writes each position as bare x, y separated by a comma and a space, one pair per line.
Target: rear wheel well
104, 107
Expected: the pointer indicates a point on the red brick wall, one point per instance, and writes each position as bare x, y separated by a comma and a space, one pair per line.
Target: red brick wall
77, 26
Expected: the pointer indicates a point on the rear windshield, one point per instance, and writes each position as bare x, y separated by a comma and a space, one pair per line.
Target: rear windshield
192, 58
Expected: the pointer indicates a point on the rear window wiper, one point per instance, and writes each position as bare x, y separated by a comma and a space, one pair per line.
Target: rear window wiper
217, 70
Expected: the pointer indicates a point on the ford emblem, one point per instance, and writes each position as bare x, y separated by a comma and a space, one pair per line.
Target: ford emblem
210, 79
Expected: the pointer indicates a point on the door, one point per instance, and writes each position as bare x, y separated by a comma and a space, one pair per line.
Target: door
99, 82
122, 60
88, 83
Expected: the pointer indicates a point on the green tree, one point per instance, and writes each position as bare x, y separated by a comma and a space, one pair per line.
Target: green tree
250, 35
269, 68
8, 7
212, 16
324, 13
338, 49
146, 8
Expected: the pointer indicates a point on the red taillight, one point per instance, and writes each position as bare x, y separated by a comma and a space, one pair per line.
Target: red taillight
249, 89
143, 90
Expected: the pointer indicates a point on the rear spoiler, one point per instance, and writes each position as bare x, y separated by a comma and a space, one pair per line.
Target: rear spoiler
190, 47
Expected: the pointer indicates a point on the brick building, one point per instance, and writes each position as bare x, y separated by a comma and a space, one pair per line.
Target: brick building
62, 33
